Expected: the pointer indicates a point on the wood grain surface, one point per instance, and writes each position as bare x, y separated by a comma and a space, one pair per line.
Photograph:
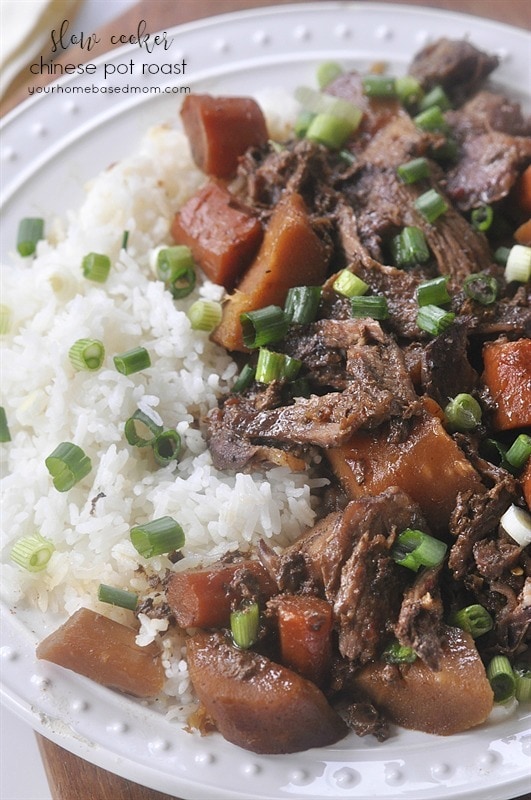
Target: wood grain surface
69, 777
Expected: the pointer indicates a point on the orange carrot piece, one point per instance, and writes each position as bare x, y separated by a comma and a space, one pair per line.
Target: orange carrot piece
222, 235
106, 652
522, 191
525, 480
305, 630
522, 234
507, 376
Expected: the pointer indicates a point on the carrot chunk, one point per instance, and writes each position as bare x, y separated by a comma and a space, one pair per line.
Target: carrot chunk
525, 480
522, 234
204, 598
305, 630
522, 191
106, 652
221, 129
507, 376
291, 255
222, 235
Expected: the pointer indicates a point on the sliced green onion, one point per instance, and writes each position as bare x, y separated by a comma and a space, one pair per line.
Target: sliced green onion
244, 379
30, 231
445, 151
327, 72
87, 354
433, 292
463, 413
264, 326
96, 267
175, 266
140, 430
517, 523
410, 247
163, 535
272, 366
431, 120
125, 240
133, 360
434, 320
347, 156
501, 678
67, 465
481, 218
5, 319
373, 306
414, 549
473, 619
32, 552
408, 90
244, 625
519, 451
302, 303
330, 130
349, 285
396, 653
415, 170
481, 288
501, 255
523, 683
431, 205
380, 86
322, 103
5, 435
166, 447
204, 315
518, 265
302, 123
117, 597
435, 97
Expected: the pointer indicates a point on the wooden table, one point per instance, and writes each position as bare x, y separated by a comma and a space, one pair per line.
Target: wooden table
70, 777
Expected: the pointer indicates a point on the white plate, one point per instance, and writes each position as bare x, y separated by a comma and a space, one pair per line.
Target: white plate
50, 146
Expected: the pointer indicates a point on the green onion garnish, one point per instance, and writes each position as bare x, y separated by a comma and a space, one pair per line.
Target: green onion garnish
302, 123
133, 360
302, 303
30, 231
432, 120
244, 625
522, 674
380, 86
264, 326
117, 597
329, 130
163, 535
5, 435
96, 267
32, 552
435, 97
481, 218
410, 247
518, 264
408, 90
327, 72
5, 319
434, 320
272, 366
204, 315
431, 205
373, 306
501, 678
140, 430
433, 292
463, 413
322, 103
415, 170
349, 285
67, 465
166, 447
473, 619
414, 549
87, 354
244, 379
481, 288
175, 266
501, 254
125, 240
519, 451
396, 653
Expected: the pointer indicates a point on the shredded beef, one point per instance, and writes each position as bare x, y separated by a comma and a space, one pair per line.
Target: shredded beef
419, 623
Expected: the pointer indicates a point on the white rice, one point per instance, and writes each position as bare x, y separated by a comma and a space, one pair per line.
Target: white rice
47, 402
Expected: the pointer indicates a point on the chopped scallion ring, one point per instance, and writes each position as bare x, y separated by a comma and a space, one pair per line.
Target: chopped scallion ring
413, 171
436, 97
302, 123
244, 625
349, 285
166, 447
481, 288
87, 354
272, 366
434, 320
522, 674
501, 678
517, 523
140, 430
431, 205
433, 292
117, 597
481, 218
30, 231
155, 538
32, 552
264, 326
327, 72
518, 265
373, 306
67, 465
396, 653
473, 619
204, 315
330, 130
322, 103
501, 255
132, 361
175, 266
432, 119
463, 413
380, 86
5, 435
410, 247
519, 451
408, 90
302, 303
414, 549
96, 267
244, 379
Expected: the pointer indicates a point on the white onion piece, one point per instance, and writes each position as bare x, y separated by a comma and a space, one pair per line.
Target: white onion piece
517, 523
